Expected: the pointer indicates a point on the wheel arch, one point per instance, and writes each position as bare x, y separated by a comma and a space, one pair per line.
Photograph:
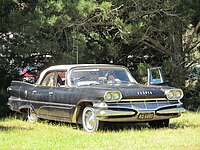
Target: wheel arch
24, 108
76, 116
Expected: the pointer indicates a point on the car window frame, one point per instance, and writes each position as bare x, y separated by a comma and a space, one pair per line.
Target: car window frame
131, 78
55, 84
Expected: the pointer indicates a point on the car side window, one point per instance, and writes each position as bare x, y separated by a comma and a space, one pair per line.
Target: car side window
49, 79
61, 78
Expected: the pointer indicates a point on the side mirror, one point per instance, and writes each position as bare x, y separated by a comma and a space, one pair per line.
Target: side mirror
155, 76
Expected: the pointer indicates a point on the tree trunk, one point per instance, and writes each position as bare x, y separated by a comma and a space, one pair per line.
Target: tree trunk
177, 45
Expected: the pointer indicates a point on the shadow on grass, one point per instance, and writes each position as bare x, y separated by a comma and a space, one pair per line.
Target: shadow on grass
182, 126
111, 126
142, 126
10, 128
117, 127
13, 126
5, 128
108, 126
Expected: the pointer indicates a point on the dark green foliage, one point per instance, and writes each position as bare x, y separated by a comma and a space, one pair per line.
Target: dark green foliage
191, 99
95, 31
175, 75
141, 73
148, 33
4, 111
179, 77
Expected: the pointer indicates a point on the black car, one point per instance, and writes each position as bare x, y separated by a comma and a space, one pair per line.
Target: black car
92, 94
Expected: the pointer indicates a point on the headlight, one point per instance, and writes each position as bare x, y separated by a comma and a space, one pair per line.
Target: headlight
113, 96
116, 95
108, 96
174, 94
177, 94
170, 95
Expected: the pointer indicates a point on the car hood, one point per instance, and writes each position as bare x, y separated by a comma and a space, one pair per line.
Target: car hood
130, 90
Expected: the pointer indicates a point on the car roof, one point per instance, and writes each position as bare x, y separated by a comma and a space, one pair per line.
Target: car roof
68, 67
198, 65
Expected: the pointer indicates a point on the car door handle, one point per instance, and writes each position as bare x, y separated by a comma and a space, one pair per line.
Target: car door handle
50, 93
34, 92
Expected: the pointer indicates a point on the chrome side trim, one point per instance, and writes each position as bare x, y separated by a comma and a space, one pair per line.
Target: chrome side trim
55, 107
149, 99
40, 102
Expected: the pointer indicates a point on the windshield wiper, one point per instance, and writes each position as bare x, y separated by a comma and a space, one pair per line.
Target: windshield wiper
128, 82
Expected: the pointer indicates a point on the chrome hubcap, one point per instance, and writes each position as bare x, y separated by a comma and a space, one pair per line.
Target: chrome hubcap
90, 120
32, 117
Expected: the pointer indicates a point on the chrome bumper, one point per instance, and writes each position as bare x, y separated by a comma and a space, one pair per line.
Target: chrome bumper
132, 110
171, 111
133, 115
109, 113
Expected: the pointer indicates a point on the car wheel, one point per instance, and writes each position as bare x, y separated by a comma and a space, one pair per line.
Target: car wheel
32, 117
89, 120
159, 123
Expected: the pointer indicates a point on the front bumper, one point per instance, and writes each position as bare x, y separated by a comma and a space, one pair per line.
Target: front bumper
131, 112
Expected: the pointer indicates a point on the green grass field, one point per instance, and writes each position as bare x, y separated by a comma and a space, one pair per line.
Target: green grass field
183, 133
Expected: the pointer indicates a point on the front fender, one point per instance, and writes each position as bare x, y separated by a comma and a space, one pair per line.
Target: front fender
79, 108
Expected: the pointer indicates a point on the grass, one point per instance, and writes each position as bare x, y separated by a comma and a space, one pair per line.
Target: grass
183, 133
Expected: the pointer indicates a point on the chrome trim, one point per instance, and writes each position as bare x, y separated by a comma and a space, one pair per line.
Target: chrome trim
109, 113
170, 111
162, 108
55, 107
100, 105
9, 89
135, 118
149, 99
174, 90
132, 116
140, 104
39, 102
122, 106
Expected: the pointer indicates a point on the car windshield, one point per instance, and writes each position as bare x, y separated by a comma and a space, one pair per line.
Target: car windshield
100, 75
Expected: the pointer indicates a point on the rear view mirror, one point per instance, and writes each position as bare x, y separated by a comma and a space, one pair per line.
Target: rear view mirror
155, 76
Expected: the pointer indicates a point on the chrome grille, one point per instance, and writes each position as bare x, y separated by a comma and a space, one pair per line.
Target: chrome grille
144, 104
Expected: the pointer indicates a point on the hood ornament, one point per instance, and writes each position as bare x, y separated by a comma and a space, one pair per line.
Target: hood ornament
145, 93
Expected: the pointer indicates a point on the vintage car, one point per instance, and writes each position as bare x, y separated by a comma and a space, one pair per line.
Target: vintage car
195, 72
91, 94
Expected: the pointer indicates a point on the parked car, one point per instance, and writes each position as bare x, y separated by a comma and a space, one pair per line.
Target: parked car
93, 94
195, 73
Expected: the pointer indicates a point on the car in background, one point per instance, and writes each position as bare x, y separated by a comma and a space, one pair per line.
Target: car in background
195, 74
91, 94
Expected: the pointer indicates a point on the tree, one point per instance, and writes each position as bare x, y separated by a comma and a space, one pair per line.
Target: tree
120, 32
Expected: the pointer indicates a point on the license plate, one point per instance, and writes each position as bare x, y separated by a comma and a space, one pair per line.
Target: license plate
143, 116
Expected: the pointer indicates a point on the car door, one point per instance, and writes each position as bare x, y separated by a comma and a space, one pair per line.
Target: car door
40, 95
58, 97
155, 76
